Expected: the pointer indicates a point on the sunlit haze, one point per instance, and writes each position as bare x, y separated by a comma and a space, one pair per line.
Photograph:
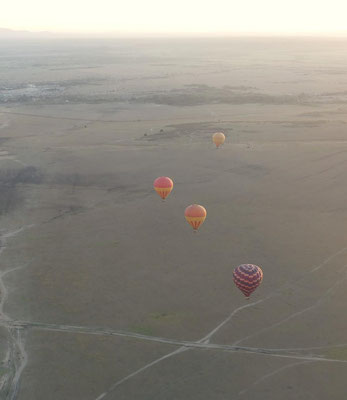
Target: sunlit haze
177, 16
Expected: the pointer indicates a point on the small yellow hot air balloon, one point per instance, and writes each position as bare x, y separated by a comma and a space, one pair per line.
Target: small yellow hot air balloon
195, 215
218, 138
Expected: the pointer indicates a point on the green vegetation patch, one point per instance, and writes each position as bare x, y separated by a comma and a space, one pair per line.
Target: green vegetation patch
142, 329
338, 353
165, 317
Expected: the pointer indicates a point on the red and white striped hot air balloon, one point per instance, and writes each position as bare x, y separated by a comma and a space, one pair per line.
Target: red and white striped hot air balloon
163, 186
247, 278
195, 215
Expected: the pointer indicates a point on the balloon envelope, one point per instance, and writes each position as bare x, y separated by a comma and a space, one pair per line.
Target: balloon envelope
163, 186
195, 215
247, 278
218, 138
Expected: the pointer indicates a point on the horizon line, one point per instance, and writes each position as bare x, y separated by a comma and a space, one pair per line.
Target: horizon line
183, 34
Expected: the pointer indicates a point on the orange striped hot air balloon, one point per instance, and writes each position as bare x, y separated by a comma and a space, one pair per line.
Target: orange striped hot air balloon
195, 215
247, 278
163, 186
218, 138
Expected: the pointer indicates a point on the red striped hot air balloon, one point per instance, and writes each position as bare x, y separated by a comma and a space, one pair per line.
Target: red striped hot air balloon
247, 278
163, 186
195, 215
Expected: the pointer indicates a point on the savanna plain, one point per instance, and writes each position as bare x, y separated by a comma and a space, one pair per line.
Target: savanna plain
105, 291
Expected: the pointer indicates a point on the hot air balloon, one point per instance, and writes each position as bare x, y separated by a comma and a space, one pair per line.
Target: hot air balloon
247, 278
195, 215
218, 138
163, 186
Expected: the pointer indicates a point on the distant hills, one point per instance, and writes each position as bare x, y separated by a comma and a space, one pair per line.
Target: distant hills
10, 33
24, 34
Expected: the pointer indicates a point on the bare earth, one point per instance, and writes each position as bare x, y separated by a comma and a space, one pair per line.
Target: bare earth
105, 292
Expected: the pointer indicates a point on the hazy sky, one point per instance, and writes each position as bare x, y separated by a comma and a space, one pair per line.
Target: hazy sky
169, 16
